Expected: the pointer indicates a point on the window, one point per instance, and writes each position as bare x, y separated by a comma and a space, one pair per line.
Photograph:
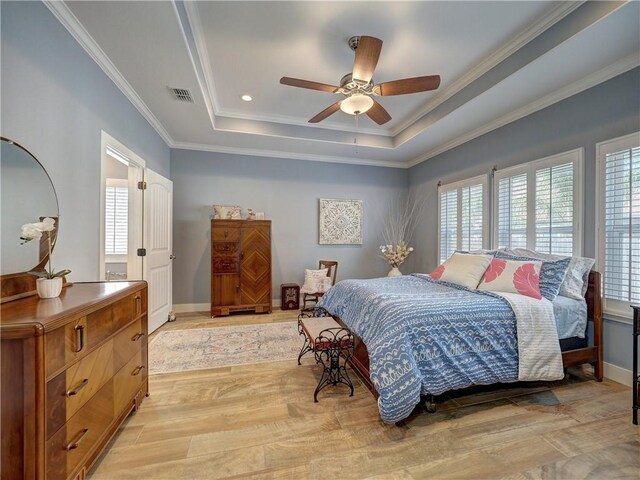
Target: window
462, 219
618, 201
539, 205
116, 217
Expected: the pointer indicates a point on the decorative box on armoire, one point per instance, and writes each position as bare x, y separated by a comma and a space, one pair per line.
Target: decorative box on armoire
240, 266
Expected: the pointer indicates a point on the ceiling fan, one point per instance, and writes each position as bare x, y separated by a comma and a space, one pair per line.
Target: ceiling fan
358, 86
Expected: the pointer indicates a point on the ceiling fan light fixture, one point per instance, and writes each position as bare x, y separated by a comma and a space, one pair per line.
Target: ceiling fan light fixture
356, 104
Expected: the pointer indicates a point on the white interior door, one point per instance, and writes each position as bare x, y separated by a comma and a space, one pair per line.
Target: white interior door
158, 241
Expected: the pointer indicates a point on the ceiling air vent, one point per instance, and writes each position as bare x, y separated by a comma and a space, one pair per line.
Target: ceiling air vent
181, 94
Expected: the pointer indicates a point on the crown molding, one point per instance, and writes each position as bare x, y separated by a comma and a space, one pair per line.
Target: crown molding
66, 17
617, 68
195, 22
252, 152
507, 49
195, 61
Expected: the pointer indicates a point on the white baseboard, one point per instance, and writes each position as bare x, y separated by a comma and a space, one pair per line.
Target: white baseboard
618, 374
191, 307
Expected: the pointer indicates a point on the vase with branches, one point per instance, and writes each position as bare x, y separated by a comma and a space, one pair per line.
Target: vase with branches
398, 227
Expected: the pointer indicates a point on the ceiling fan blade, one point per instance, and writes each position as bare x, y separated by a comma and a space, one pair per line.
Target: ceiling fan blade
407, 85
326, 112
378, 114
367, 55
296, 82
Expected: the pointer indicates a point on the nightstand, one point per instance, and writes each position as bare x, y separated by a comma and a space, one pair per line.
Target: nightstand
636, 380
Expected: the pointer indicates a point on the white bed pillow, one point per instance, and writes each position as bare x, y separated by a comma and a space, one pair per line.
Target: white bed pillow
576, 280
463, 269
314, 281
513, 276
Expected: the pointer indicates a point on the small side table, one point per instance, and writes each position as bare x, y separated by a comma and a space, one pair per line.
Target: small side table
290, 296
636, 380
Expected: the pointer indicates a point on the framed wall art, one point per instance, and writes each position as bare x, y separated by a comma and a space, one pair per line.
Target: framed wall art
340, 222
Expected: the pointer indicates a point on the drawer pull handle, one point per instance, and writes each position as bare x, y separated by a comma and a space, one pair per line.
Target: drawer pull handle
79, 338
226, 265
138, 304
81, 385
137, 370
75, 443
137, 337
226, 248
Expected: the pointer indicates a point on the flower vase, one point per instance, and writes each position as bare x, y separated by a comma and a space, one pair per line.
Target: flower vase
49, 287
394, 272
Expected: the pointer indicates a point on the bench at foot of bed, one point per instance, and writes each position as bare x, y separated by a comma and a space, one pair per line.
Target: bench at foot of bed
331, 344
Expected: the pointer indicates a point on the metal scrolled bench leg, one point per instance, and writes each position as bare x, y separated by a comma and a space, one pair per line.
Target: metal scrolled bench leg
331, 344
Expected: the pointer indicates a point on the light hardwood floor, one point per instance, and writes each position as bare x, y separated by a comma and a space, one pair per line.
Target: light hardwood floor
259, 421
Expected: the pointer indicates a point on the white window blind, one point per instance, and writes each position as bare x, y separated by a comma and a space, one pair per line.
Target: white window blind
554, 209
116, 218
620, 173
512, 211
462, 220
448, 224
539, 205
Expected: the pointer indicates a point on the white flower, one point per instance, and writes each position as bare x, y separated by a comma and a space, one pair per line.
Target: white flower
48, 224
30, 231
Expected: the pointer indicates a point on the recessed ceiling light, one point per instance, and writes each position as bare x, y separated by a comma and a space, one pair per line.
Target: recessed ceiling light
246, 98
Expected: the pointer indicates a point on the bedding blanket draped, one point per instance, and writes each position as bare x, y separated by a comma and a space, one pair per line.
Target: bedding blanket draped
425, 336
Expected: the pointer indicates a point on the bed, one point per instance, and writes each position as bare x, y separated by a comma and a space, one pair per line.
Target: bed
487, 347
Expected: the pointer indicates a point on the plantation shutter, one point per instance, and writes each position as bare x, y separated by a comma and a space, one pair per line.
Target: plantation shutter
462, 216
116, 220
448, 223
554, 209
622, 225
512, 212
472, 207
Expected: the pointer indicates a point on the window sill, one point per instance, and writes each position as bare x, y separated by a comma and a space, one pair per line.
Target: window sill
616, 316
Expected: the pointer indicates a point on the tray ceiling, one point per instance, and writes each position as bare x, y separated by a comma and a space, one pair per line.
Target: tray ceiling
498, 61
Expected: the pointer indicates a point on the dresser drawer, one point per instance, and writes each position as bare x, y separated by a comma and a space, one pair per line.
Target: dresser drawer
127, 309
225, 248
225, 265
69, 446
127, 382
70, 390
74, 340
127, 343
224, 233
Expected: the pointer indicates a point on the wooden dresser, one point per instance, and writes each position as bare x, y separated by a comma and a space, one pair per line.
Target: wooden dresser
240, 266
72, 370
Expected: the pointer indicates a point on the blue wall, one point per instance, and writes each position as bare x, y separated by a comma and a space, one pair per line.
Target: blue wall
55, 102
606, 111
288, 192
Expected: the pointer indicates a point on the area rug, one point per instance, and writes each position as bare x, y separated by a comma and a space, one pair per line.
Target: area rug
202, 348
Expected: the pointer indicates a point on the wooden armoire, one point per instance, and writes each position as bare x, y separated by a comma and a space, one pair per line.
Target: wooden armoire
240, 266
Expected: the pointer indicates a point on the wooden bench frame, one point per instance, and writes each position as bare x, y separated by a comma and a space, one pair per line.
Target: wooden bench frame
328, 346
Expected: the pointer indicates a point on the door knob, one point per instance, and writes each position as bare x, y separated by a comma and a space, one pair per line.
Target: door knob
172, 257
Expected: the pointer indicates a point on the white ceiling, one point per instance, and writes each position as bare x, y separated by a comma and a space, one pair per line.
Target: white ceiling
498, 61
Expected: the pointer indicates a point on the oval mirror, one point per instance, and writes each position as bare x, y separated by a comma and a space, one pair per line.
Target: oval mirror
27, 195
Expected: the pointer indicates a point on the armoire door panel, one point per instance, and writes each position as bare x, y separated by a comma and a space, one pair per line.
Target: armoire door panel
225, 289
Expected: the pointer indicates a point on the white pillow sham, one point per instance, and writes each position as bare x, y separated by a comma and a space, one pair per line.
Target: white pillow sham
576, 280
314, 281
463, 269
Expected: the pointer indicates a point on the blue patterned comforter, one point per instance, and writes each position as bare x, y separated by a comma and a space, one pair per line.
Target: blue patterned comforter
425, 336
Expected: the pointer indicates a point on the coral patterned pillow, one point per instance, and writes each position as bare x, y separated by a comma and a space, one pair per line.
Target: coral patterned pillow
462, 269
513, 276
